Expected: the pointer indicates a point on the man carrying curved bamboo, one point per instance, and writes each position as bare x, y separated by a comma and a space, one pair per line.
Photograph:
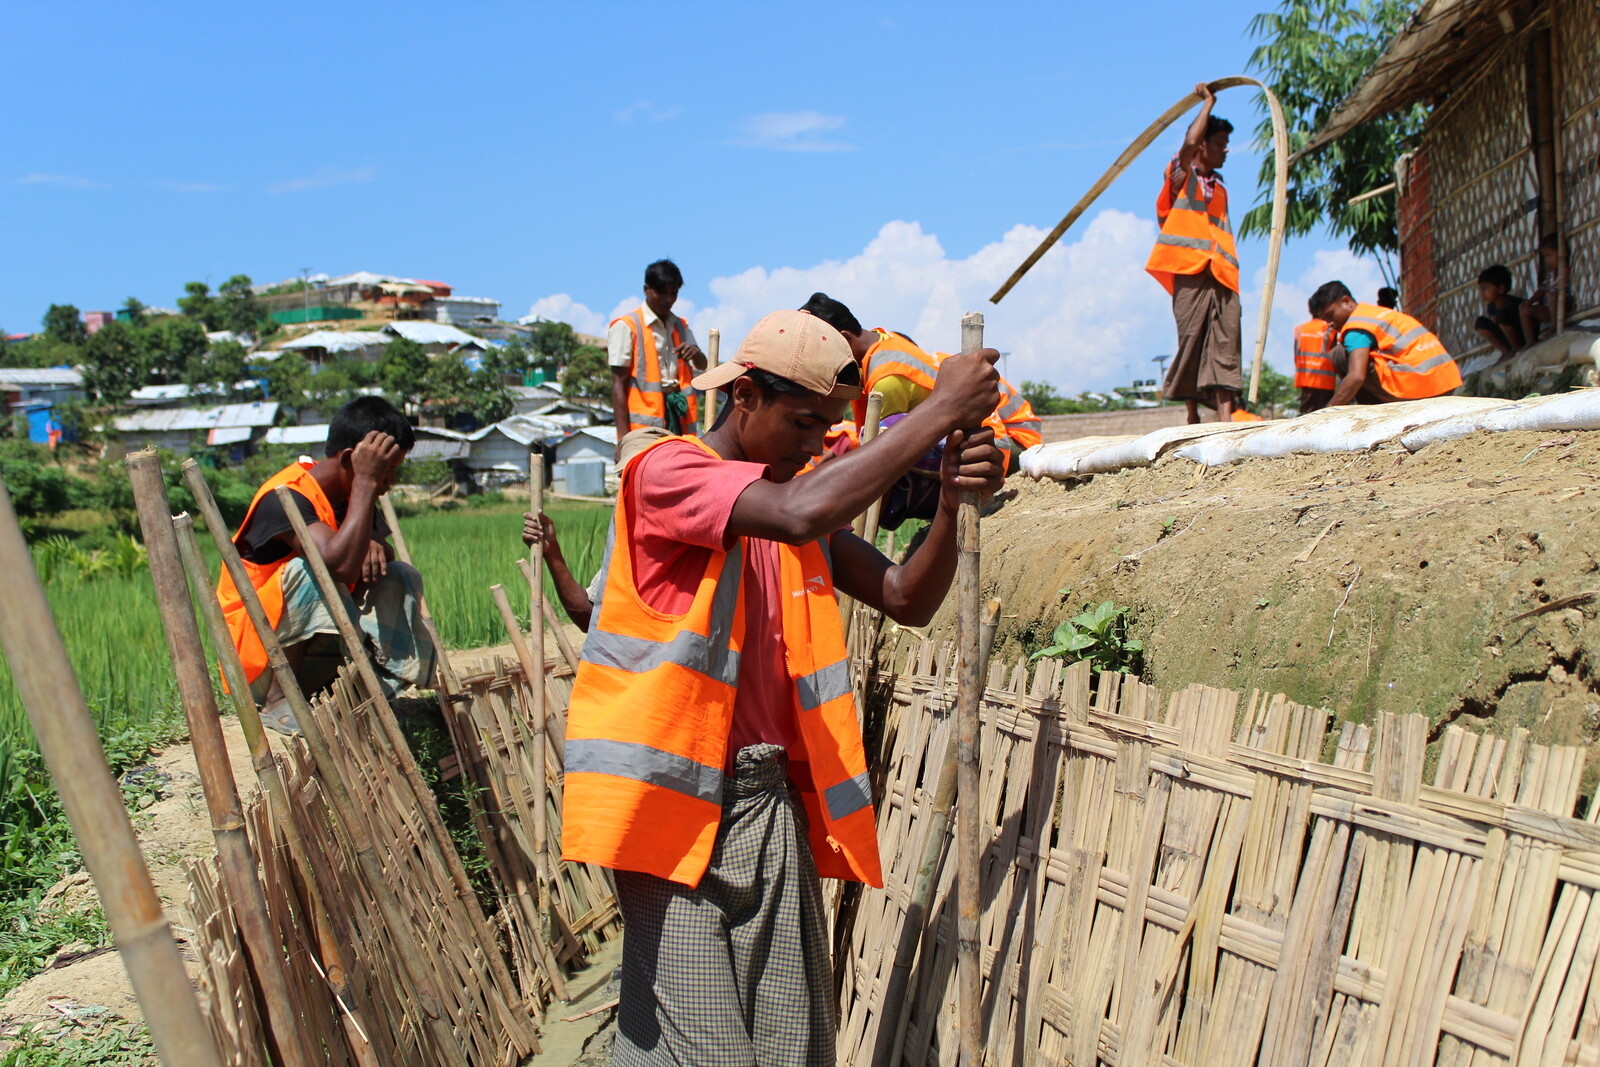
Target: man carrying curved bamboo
1195, 261
713, 755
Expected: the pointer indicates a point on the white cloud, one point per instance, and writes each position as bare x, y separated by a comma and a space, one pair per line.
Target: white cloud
792, 131
1087, 316
66, 181
323, 178
648, 110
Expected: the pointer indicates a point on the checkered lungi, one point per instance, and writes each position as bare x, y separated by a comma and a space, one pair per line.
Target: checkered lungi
1207, 362
735, 972
387, 611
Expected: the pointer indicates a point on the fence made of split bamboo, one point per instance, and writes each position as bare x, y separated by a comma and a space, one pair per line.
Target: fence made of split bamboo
1222, 880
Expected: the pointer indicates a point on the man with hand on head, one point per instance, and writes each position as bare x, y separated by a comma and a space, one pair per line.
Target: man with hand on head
653, 357
337, 496
713, 758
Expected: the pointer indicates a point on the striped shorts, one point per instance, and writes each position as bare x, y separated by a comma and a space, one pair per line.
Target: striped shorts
734, 972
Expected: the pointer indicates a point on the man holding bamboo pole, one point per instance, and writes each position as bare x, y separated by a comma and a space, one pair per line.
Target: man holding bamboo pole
337, 497
713, 754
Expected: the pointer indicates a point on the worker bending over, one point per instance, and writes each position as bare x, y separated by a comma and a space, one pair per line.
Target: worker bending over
1314, 373
1195, 261
653, 356
713, 755
1383, 354
337, 496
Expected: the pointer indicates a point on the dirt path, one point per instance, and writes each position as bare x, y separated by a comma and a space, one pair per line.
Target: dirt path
1462, 582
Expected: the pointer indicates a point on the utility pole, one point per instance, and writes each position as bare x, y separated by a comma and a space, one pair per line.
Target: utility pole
305, 289
1161, 376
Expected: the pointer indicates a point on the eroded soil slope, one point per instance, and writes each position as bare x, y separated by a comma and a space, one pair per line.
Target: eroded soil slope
1461, 582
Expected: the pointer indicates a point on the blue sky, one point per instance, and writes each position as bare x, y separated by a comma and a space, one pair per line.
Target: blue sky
903, 157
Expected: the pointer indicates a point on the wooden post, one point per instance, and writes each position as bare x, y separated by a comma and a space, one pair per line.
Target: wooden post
396, 745
234, 854
969, 974
426, 1009
713, 351
543, 868
270, 775
892, 1026
71, 747
536, 683
552, 622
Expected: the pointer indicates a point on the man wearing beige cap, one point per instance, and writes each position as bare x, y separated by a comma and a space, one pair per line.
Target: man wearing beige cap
713, 756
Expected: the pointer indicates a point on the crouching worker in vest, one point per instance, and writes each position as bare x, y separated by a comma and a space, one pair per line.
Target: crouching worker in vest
1314, 373
337, 496
1384, 355
713, 756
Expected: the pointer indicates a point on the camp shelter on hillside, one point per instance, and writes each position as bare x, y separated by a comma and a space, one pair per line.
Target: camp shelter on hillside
436, 337
1510, 154
25, 385
234, 427
581, 459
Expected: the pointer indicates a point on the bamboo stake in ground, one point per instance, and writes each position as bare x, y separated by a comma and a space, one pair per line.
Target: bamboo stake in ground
399, 750
234, 854
427, 1014
71, 747
969, 975
536, 689
892, 1022
713, 350
552, 622
270, 775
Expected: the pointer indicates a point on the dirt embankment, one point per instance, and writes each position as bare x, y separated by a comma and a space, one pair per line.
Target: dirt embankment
1462, 582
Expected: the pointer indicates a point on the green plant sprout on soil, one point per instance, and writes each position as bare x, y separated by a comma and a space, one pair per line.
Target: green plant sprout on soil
1099, 635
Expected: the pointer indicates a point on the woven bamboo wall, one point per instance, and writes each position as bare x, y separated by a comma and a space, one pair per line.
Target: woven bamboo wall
1299, 894
1576, 25
1484, 192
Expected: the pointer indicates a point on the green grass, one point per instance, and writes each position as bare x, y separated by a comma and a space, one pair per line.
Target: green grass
461, 552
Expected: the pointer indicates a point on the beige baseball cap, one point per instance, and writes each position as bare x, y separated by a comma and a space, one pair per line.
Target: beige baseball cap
798, 346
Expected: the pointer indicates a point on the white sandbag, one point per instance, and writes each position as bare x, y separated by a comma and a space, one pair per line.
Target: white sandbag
1352, 428
1059, 459
1143, 451
1577, 410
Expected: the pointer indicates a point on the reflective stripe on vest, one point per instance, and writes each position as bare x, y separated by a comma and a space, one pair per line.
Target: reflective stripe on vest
647, 406
1410, 361
1195, 236
892, 356
267, 578
1312, 367
652, 708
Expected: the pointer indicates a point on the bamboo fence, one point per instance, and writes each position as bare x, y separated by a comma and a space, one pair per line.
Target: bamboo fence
1299, 893
1576, 30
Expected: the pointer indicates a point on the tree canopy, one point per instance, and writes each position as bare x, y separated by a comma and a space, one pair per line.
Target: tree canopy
63, 324
1311, 55
587, 374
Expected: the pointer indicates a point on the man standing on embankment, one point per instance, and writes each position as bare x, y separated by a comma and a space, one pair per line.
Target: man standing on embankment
1195, 261
713, 754
653, 357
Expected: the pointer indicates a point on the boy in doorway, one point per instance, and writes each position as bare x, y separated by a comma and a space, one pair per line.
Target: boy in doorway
1501, 321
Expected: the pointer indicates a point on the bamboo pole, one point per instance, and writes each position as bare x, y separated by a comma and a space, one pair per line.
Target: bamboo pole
713, 351
553, 622
234, 853
426, 1008
270, 776
969, 963
540, 786
535, 665
400, 751
1280, 203
893, 1017
49, 691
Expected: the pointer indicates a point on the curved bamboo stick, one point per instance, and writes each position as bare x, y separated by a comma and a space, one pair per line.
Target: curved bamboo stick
71, 747
1280, 203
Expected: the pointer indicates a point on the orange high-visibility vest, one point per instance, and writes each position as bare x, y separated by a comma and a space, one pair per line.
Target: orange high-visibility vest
893, 356
1014, 418
1312, 367
1195, 234
1410, 361
267, 578
652, 707
647, 404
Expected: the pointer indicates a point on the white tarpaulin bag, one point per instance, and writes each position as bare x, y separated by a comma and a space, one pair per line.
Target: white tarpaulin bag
1577, 410
1059, 459
1143, 451
1352, 428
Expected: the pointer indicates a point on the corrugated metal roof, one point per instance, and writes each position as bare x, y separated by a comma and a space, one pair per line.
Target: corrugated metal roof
40, 377
296, 435
228, 435
338, 340
433, 333
439, 448
227, 415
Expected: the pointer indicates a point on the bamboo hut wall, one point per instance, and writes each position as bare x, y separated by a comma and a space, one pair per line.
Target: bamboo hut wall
1484, 192
1225, 880
1577, 33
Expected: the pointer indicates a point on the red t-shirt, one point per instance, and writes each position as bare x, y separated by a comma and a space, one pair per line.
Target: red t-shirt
680, 499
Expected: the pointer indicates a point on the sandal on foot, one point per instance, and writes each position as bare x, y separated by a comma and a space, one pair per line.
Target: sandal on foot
277, 716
